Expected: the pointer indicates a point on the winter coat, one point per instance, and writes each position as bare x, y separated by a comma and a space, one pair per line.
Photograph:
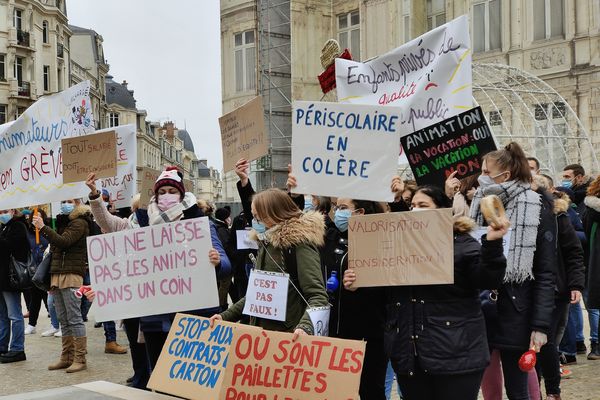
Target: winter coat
302, 236
68, 244
570, 273
579, 194
224, 235
591, 223
526, 307
440, 328
13, 241
577, 224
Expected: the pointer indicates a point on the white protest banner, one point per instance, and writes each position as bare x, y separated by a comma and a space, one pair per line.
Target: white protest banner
244, 242
429, 78
319, 317
123, 186
266, 296
479, 231
158, 269
402, 248
30, 150
344, 150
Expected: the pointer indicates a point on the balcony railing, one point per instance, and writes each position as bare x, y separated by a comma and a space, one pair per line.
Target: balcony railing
60, 50
22, 38
24, 89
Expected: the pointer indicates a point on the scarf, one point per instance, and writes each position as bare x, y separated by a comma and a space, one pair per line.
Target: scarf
523, 207
175, 213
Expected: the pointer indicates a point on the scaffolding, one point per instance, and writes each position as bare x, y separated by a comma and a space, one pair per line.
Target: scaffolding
275, 77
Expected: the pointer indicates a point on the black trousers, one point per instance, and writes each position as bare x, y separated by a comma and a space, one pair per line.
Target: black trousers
154, 344
372, 378
548, 362
139, 358
422, 386
36, 296
515, 380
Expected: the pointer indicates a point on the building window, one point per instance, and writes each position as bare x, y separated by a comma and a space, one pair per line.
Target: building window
18, 19
3, 108
349, 33
46, 78
436, 13
556, 110
548, 19
496, 118
59, 79
3, 67
487, 35
113, 119
18, 70
45, 31
245, 61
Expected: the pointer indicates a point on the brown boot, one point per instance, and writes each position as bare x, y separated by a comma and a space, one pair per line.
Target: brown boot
114, 348
66, 357
79, 363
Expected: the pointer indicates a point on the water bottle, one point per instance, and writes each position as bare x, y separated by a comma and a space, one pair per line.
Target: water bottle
332, 282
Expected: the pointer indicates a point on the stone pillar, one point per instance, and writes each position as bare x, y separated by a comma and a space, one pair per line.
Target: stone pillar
582, 17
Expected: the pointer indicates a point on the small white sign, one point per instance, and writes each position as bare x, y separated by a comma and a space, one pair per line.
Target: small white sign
320, 320
244, 242
478, 232
267, 294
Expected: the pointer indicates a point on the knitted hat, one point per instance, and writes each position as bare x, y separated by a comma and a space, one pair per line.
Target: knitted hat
222, 214
171, 176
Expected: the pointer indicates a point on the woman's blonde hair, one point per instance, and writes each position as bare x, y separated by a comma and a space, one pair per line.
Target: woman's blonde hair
275, 205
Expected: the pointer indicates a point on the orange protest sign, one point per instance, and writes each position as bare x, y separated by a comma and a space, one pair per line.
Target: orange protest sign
234, 361
406, 248
83, 155
243, 134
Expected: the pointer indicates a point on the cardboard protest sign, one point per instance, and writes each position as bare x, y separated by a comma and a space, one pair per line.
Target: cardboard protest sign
30, 148
266, 296
83, 155
243, 134
148, 177
406, 248
243, 240
158, 269
234, 361
344, 150
455, 144
122, 186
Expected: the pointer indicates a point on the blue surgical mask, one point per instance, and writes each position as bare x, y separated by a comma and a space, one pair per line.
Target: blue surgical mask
259, 227
26, 212
567, 183
308, 205
67, 208
341, 218
5, 218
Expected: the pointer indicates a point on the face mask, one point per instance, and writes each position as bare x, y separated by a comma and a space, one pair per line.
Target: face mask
67, 208
26, 212
259, 227
168, 200
341, 218
308, 205
4, 218
567, 183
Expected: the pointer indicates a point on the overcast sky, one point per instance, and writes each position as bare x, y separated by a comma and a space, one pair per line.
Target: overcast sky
170, 53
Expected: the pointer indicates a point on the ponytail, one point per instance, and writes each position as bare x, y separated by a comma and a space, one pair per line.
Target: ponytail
512, 158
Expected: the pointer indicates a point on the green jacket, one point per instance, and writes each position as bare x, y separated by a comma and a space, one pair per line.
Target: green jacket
69, 245
305, 234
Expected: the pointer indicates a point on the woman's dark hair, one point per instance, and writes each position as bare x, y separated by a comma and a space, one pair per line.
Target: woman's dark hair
512, 158
437, 195
370, 207
324, 206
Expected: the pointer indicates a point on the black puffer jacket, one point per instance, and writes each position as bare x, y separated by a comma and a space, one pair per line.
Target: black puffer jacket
13, 240
441, 328
570, 273
591, 223
526, 307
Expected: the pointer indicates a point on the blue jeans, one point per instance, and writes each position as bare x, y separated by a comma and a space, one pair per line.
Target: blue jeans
110, 331
568, 344
12, 323
52, 311
593, 316
390, 375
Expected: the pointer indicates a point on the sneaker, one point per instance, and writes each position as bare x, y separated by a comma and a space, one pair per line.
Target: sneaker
50, 332
29, 330
58, 334
12, 356
564, 372
581, 349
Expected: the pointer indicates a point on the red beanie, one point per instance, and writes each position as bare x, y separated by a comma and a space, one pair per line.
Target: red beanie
171, 176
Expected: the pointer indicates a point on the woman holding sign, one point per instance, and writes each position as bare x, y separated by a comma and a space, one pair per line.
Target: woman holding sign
435, 335
288, 248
